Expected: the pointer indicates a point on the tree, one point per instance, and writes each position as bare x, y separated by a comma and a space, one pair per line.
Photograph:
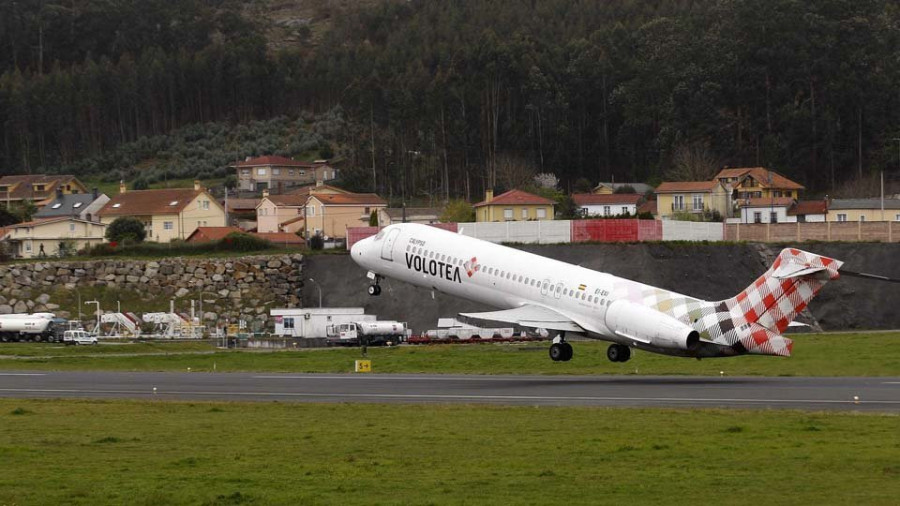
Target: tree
126, 229
373, 219
458, 211
230, 182
7, 218
140, 184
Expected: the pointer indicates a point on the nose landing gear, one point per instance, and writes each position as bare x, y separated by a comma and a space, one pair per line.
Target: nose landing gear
374, 289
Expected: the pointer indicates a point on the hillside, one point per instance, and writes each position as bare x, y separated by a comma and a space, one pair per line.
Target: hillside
448, 99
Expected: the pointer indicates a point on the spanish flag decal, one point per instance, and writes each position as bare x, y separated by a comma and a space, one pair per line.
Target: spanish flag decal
582, 287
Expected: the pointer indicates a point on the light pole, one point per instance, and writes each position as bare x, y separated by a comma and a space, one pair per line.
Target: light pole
320, 290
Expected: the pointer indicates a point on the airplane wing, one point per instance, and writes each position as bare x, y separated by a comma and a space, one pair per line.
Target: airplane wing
530, 315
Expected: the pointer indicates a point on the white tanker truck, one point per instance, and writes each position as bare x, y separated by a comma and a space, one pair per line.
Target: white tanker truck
370, 332
31, 327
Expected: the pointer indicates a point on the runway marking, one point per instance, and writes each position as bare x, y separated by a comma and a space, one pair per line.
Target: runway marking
416, 378
22, 374
891, 383
453, 396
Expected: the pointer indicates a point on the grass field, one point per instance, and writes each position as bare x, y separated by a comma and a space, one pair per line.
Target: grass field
863, 354
122, 452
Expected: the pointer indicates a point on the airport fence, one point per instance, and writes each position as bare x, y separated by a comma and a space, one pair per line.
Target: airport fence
572, 231
868, 231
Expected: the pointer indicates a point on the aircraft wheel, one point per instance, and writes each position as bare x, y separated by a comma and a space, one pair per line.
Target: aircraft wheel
618, 353
374, 290
568, 352
558, 352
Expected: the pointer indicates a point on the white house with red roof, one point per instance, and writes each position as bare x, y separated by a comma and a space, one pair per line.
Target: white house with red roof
279, 174
608, 204
514, 205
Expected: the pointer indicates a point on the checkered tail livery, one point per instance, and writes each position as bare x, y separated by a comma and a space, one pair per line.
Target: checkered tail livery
753, 320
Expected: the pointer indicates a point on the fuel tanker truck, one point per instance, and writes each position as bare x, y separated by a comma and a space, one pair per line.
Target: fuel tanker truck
31, 327
366, 332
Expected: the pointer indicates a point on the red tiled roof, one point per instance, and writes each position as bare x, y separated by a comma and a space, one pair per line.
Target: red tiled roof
583, 199
686, 186
203, 234
804, 207
349, 199
647, 207
242, 204
762, 176
275, 161
313, 188
516, 197
768, 202
147, 202
281, 238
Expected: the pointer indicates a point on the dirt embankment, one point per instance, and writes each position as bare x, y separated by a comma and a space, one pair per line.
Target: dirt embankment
711, 272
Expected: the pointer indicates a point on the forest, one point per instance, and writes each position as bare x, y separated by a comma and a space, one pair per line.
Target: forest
444, 99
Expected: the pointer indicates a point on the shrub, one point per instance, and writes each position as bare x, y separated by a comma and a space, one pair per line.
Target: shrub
316, 242
126, 229
237, 241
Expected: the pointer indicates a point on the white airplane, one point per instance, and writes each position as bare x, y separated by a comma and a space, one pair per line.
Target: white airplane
538, 292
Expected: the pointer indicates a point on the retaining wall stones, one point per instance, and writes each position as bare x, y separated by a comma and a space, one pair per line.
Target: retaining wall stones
240, 287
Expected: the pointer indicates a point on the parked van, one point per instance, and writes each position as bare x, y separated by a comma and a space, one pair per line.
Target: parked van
76, 337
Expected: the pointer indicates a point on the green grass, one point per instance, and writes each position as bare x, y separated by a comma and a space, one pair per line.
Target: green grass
872, 354
111, 188
128, 452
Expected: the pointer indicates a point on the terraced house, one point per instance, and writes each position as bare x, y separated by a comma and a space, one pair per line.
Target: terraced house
279, 174
167, 214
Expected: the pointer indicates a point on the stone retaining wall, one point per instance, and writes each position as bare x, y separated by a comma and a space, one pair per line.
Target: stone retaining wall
240, 287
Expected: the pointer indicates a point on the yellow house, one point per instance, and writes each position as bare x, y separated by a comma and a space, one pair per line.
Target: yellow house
331, 214
757, 182
39, 189
863, 210
52, 236
167, 214
514, 205
285, 213
693, 197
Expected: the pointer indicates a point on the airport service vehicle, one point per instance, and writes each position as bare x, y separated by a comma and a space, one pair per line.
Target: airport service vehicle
31, 327
370, 332
76, 337
542, 293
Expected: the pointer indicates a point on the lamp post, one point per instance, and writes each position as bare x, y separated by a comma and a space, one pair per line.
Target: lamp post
318, 288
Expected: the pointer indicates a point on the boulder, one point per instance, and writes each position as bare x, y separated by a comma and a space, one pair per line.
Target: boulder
5, 309
182, 292
20, 307
43, 298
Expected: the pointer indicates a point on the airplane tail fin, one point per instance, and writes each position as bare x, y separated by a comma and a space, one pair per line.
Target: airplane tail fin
772, 302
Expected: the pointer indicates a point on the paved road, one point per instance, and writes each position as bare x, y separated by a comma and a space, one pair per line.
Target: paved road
874, 394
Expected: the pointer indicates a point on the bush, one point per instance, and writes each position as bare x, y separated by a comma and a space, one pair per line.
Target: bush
126, 229
316, 242
237, 241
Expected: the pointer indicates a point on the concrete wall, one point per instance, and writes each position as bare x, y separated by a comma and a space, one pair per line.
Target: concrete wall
712, 272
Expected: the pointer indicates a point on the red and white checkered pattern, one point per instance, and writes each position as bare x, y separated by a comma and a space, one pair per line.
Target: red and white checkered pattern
752, 321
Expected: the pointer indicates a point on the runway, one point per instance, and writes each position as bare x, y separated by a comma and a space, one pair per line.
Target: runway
869, 394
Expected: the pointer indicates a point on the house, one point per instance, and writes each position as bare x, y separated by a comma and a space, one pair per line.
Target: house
80, 205
167, 214
424, 215
766, 210
514, 205
648, 207
330, 214
757, 183
206, 234
607, 188
39, 189
693, 197
809, 211
863, 210
61, 235
278, 174
608, 204
285, 212
241, 212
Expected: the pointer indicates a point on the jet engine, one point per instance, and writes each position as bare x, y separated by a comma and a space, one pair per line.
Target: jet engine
647, 325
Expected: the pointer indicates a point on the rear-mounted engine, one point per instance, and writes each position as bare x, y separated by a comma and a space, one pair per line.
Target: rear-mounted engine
646, 325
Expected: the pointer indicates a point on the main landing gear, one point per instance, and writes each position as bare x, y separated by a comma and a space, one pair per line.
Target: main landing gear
618, 353
374, 289
560, 350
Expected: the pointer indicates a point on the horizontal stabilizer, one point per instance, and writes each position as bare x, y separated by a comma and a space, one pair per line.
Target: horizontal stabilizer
793, 270
530, 316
